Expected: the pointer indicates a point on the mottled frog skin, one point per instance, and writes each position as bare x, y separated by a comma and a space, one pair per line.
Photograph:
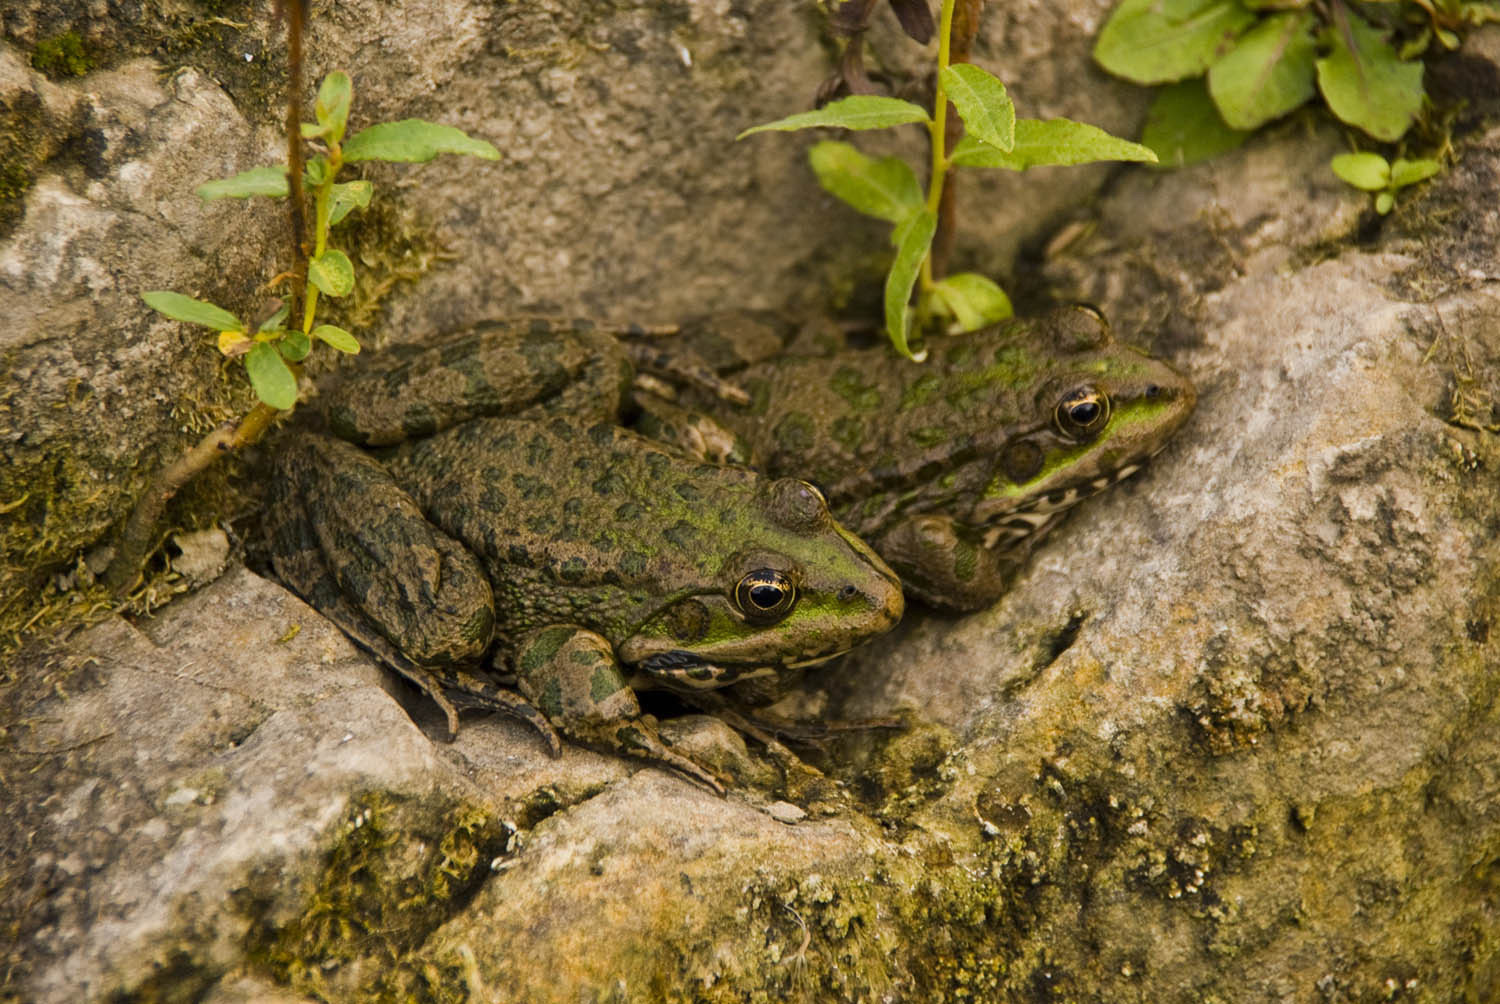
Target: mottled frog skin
954, 469
578, 557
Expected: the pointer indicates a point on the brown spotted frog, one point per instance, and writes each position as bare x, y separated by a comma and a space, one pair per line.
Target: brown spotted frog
478, 505
952, 469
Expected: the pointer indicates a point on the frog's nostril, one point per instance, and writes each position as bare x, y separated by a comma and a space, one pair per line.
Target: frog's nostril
848, 593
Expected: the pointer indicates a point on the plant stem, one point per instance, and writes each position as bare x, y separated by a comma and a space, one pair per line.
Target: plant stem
137, 537
320, 230
135, 540
295, 209
938, 130
960, 46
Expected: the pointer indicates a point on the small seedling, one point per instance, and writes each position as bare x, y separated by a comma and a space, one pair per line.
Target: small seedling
272, 349
888, 188
273, 352
1371, 172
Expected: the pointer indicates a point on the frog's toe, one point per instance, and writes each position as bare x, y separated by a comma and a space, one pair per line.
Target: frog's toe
572, 675
470, 694
639, 739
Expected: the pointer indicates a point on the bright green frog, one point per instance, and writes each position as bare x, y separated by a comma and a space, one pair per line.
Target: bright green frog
953, 469
586, 559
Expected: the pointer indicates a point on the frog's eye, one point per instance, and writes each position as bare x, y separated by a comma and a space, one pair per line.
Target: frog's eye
765, 596
1082, 413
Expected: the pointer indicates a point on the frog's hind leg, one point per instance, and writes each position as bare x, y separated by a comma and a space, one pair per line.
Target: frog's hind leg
572, 675
348, 540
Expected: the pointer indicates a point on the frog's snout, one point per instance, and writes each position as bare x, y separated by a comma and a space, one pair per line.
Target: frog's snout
883, 596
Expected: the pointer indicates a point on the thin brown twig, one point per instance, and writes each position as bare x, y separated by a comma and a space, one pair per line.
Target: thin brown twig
965, 28
297, 215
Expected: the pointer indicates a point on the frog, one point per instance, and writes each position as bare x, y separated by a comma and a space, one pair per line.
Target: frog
474, 513
955, 468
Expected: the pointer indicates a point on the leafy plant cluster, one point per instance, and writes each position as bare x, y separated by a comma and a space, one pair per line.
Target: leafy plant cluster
1371, 172
888, 189
1238, 64
273, 350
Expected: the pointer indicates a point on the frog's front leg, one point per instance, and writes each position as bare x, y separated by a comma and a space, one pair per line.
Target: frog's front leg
944, 565
572, 675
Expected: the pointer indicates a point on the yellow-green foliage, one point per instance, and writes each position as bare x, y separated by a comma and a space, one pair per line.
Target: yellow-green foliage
62, 56
390, 879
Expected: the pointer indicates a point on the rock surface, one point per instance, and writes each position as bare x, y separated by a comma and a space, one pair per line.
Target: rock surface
1232, 737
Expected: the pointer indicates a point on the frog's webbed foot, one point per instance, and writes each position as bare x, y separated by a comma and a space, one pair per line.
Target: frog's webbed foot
698, 354
466, 691
572, 675
694, 433
666, 367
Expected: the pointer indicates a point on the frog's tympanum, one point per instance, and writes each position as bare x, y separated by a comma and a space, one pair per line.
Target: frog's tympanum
581, 559
953, 469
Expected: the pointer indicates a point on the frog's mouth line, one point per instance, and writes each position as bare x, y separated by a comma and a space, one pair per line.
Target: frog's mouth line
1043, 512
697, 673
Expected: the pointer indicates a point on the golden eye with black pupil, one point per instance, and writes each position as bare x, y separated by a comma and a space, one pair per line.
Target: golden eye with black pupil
765, 596
1081, 413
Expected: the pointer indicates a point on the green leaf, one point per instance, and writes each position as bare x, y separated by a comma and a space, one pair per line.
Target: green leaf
913, 238
331, 272
1367, 171
973, 300
1051, 142
346, 197
886, 188
332, 106
270, 181
294, 346
277, 319
1268, 73
862, 111
1384, 203
273, 382
1365, 84
315, 172
1409, 172
1184, 127
337, 338
184, 308
414, 141
983, 104
1155, 42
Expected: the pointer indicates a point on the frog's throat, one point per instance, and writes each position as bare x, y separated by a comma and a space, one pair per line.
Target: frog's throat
1005, 529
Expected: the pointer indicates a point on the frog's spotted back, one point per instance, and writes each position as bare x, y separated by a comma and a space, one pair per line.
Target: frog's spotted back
955, 468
